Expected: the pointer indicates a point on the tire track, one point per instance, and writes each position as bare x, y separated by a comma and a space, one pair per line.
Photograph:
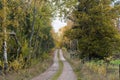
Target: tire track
47, 75
67, 73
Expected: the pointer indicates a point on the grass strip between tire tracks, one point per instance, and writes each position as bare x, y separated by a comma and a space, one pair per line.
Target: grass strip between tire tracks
58, 73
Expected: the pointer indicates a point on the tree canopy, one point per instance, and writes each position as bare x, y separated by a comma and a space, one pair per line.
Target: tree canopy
94, 28
30, 20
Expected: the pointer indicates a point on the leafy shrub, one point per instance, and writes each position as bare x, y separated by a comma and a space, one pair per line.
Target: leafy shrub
45, 56
17, 64
115, 62
25, 49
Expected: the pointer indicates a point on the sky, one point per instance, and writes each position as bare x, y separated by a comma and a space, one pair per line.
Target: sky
57, 24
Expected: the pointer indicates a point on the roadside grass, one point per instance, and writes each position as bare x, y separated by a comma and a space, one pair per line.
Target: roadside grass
93, 70
102, 71
58, 73
116, 62
37, 67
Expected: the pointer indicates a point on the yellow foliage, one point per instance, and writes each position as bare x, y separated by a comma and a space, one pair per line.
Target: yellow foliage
17, 64
1, 63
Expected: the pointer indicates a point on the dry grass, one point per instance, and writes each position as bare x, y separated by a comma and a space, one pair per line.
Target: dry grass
26, 74
93, 70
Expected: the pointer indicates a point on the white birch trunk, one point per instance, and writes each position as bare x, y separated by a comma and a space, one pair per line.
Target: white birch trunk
5, 38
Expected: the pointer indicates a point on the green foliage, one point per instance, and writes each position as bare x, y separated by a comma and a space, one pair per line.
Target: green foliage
32, 24
94, 28
115, 62
17, 64
25, 49
1, 63
45, 56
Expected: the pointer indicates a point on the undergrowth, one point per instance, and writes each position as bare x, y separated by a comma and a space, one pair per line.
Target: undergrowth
37, 67
93, 70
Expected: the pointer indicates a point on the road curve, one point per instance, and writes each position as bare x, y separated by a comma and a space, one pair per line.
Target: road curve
49, 73
67, 73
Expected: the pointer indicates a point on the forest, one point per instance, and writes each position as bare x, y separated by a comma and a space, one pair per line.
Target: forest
90, 40
95, 29
26, 32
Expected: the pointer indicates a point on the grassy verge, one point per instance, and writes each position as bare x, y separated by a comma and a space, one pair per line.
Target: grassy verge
93, 70
116, 62
58, 73
37, 67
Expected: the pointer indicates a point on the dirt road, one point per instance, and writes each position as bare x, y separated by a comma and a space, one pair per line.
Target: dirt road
67, 73
47, 75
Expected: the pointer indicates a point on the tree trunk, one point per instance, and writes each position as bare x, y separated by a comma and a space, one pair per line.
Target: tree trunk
5, 51
33, 22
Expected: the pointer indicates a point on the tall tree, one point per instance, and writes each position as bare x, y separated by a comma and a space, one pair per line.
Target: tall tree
30, 20
94, 28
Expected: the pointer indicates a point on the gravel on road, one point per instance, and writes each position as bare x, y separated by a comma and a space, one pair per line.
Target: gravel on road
50, 72
67, 73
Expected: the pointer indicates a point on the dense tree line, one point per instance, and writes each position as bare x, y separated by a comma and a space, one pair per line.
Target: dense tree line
94, 28
30, 22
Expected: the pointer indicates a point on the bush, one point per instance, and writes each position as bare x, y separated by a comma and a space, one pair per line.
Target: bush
25, 49
17, 64
45, 56
115, 62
